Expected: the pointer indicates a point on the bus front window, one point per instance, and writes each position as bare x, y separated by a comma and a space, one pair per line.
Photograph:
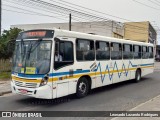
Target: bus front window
32, 57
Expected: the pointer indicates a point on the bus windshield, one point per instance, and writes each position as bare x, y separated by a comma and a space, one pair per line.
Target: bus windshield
32, 57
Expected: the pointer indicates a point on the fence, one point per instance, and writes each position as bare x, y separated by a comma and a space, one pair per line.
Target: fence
5, 65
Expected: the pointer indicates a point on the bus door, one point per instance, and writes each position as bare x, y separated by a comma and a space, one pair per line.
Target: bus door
63, 67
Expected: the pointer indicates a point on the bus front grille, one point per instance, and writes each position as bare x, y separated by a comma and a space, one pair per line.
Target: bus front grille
27, 85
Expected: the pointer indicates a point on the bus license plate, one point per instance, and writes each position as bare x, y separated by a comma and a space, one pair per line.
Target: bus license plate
23, 91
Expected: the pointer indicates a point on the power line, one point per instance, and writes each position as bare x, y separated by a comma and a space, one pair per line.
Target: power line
94, 10
77, 14
145, 5
27, 13
90, 18
31, 7
98, 12
157, 1
40, 8
68, 10
64, 4
153, 2
50, 10
36, 13
74, 15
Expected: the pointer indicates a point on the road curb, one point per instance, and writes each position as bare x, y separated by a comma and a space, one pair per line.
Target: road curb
6, 92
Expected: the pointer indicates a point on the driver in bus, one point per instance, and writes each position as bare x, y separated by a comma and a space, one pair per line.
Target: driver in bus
58, 57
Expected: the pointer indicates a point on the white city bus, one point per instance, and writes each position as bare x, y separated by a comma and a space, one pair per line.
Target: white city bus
50, 64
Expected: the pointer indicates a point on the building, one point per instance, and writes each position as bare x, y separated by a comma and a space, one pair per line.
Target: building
140, 31
105, 28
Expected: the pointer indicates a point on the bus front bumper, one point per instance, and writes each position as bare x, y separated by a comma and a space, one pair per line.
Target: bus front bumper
44, 92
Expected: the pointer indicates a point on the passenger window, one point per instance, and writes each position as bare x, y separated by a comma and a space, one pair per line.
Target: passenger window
116, 51
137, 52
85, 50
127, 51
150, 52
145, 52
102, 50
63, 54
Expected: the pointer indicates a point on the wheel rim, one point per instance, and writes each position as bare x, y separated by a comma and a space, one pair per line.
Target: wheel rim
82, 87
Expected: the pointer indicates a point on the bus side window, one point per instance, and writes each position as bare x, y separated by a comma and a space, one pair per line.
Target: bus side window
102, 50
85, 50
144, 52
116, 51
63, 54
137, 52
150, 52
127, 51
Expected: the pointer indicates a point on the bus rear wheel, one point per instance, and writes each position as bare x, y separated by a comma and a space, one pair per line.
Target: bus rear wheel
138, 75
82, 87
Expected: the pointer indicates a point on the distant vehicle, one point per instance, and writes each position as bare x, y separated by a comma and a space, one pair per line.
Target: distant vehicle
50, 64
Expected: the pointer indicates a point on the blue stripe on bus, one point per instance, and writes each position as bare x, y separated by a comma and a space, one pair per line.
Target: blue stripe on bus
147, 64
52, 74
66, 73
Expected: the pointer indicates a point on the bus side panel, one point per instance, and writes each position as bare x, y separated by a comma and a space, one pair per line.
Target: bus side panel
72, 87
126, 72
116, 70
147, 66
62, 89
103, 73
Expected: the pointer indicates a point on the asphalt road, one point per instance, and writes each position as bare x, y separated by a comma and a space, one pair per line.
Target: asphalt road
118, 97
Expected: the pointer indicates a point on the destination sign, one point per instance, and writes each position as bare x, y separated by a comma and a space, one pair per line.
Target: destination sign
33, 34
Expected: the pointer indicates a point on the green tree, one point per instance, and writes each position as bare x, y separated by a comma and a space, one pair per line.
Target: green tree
7, 42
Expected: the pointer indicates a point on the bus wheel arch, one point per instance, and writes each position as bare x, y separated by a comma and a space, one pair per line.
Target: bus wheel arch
138, 75
83, 86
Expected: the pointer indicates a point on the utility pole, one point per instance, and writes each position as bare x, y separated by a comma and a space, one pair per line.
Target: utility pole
70, 21
0, 16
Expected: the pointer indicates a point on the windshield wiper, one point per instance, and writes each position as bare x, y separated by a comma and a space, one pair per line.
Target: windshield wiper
30, 51
36, 45
22, 52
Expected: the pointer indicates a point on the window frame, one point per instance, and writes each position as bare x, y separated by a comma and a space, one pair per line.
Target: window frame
59, 50
77, 48
145, 52
117, 51
131, 47
137, 52
108, 51
152, 52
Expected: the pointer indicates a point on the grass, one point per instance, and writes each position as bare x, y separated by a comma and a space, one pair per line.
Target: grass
5, 75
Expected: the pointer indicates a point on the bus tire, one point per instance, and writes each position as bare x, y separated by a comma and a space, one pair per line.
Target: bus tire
82, 87
138, 75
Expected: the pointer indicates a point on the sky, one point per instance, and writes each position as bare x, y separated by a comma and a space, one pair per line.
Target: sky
127, 9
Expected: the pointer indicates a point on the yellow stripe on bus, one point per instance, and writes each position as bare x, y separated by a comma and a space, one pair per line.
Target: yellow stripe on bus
75, 76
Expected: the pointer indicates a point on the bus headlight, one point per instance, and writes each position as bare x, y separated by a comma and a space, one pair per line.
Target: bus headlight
44, 80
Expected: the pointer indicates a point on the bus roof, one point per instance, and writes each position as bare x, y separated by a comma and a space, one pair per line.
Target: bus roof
66, 33
98, 37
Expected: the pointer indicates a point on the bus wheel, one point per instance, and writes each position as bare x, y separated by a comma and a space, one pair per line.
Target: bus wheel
138, 75
82, 87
